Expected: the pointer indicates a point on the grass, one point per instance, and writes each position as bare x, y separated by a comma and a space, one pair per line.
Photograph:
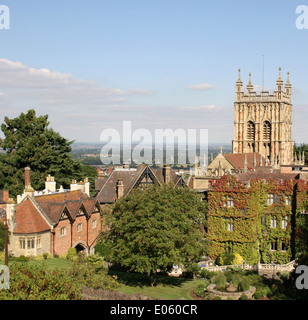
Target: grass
167, 288
53, 263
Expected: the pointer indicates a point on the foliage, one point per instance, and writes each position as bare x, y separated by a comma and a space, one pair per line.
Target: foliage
157, 227
29, 141
245, 226
200, 291
71, 253
92, 272
229, 258
38, 283
103, 248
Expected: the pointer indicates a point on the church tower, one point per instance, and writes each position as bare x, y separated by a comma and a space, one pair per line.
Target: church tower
263, 122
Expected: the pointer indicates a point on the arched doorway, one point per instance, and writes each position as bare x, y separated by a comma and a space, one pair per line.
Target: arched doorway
82, 247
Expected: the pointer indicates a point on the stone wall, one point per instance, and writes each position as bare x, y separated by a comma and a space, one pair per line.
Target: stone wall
234, 295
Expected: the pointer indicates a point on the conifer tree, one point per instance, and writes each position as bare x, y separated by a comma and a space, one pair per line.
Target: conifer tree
29, 141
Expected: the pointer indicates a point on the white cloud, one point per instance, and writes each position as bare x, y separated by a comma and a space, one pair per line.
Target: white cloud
201, 87
199, 108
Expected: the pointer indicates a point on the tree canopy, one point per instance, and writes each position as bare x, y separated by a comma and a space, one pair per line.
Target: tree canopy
29, 141
157, 227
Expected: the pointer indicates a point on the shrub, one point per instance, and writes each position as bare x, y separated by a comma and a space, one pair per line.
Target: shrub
71, 253
243, 285
207, 274
200, 291
28, 282
87, 274
217, 298
243, 297
46, 255
220, 281
257, 295
39, 257
237, 259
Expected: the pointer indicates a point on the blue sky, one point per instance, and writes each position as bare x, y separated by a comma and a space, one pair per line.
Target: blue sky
90, 65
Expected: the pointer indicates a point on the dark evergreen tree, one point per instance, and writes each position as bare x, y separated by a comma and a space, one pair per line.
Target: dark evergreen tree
29, 141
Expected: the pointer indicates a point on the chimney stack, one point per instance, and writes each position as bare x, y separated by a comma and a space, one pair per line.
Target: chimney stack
167, 173
27, 178
50, 184
120, 188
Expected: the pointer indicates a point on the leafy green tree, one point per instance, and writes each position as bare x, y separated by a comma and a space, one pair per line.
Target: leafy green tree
29, 141
156, 227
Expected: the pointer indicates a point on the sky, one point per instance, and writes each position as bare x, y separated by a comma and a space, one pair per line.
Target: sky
90, 65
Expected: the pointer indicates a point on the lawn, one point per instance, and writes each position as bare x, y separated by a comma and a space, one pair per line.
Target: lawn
168, 288
53, 263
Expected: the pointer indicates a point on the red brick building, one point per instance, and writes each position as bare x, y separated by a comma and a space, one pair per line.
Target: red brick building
53, 222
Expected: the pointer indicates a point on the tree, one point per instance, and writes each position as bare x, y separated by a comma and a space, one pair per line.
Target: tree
156, 227
29, 141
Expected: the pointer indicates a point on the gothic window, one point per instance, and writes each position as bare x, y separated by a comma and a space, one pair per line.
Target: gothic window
251, 131
266, 131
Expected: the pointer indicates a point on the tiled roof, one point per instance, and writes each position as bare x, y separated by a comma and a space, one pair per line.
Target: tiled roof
29, 219
250, 175
108, 191
60, 197
238, 159
33, 215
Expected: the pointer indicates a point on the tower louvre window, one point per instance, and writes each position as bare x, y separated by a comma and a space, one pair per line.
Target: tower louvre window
251, 131
266, 131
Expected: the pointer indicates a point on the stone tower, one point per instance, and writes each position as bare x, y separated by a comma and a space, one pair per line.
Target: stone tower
263, 122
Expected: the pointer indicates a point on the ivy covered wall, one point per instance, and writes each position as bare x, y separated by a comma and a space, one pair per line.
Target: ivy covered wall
255, 219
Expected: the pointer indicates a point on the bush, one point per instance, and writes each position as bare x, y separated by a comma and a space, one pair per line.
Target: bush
71, 254
220, 281
200, 291
207, 274
243, 285
28, 282
89, 273
243, 297
257, 295
217, 298
229, 258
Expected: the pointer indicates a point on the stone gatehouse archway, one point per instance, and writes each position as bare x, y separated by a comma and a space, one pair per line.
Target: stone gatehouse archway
81, 246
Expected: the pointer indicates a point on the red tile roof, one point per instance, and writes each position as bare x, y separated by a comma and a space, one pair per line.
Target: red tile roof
38, 214
238, 159
29, 219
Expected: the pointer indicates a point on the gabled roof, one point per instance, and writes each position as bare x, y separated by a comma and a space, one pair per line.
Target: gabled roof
131, 178
41, 213
29, 219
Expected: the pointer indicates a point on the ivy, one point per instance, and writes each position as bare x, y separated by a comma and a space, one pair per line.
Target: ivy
260, 231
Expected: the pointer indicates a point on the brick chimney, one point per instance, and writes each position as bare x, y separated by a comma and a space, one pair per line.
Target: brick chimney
167, 173
27, 178
120, 188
